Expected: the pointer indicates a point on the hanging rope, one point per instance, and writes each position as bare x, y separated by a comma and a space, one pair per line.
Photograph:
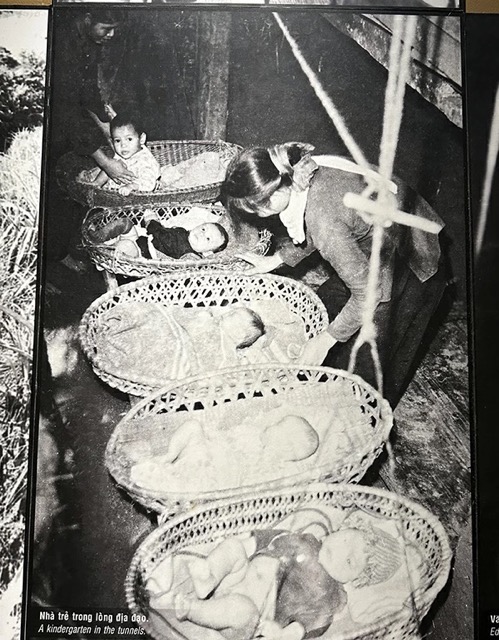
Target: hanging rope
325, 100
382, 211
398, 76
399, 65
492, 151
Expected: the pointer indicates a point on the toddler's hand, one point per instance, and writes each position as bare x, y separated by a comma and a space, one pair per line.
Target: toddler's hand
149, 215
125, 190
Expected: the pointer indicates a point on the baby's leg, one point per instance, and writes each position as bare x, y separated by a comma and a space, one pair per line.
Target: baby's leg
228, 562
234, 615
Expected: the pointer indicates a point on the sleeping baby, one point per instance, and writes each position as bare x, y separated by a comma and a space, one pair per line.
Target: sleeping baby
178, 342
276, 584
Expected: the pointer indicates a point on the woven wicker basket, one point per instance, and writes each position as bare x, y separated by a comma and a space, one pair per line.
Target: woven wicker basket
167, 153
231, 387
216, 520
194, 289
106, 257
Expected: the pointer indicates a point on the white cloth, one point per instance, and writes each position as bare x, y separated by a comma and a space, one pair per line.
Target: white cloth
344, 164
293, 217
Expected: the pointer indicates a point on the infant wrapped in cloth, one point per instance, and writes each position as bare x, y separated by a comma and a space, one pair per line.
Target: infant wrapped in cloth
150, 340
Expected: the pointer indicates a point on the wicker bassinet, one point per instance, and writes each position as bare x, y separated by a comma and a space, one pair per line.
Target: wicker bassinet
259, 510
194, 289
107, 258
167, 153
231, 387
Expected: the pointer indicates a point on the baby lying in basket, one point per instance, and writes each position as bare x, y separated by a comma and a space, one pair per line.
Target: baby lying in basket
178, 341
283, 585
247, 443
129, 144
152, 240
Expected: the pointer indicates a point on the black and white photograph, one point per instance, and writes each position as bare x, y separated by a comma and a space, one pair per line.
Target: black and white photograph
368, 5
23, 44
482, 91
252, 376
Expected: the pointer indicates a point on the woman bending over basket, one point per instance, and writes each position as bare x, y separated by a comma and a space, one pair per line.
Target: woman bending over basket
285, 181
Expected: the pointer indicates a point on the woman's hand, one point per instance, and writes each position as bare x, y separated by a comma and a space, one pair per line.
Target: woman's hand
261, 264
118, 172
115, 169
316, 349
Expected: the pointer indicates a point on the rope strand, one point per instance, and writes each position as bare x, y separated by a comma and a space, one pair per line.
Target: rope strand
325, 100
492, 152
400, 58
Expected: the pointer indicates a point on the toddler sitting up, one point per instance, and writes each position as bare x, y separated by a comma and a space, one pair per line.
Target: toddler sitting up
203, 240
128, 140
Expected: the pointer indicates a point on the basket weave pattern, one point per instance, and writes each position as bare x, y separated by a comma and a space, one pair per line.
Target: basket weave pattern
193, 289
235, 385
106, 257
217, 520
167, 153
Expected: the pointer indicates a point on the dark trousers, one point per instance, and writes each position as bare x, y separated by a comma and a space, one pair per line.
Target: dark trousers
401, 325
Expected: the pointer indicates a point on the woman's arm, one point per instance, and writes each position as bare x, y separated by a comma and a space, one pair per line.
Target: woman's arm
261, 264
341, 249
316, 349
288, 254
100, 179
115, 169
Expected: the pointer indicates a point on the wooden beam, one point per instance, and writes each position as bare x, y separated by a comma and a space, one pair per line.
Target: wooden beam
436, 57
213, 96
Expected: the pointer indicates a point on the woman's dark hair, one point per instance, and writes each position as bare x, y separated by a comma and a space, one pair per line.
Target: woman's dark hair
104, 16
251, 179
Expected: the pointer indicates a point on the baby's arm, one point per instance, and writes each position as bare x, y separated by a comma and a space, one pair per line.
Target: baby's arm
224, 567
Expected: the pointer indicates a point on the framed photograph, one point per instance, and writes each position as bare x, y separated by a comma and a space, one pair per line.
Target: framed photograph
252, 407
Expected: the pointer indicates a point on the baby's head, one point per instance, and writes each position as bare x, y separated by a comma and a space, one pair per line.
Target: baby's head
208, 238
127, 135
243, 326
362, 557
